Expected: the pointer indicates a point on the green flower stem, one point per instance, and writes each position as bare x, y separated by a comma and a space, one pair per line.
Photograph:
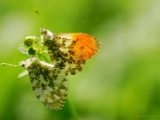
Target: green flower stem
72, 108
44, 57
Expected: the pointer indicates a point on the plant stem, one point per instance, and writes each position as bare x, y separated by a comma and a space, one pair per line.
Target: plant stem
72, 109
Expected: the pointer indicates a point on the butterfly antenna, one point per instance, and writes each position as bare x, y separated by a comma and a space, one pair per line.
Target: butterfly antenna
7, 64
40, 17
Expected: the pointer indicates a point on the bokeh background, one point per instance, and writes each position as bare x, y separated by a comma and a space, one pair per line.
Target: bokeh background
121, 82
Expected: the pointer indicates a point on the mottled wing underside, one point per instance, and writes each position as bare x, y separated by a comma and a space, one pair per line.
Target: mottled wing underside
48, 82
70, 51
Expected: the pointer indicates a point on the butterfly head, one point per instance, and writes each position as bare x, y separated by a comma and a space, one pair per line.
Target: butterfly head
46, 35
28, 62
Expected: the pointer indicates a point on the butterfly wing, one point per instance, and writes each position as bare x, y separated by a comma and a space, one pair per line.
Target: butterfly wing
70, 51
75, 49
48, 83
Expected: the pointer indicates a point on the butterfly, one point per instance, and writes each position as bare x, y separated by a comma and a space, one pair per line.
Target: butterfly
48, 82
69, 51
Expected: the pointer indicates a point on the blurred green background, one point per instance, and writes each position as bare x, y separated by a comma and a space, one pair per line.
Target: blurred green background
121, 82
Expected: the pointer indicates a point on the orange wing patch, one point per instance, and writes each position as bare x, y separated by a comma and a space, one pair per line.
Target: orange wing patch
84, 46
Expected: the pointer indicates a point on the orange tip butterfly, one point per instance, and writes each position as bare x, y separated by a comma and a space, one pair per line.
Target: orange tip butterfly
69, 51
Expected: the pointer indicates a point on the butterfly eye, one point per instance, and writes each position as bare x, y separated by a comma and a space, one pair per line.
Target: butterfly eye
22, 64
